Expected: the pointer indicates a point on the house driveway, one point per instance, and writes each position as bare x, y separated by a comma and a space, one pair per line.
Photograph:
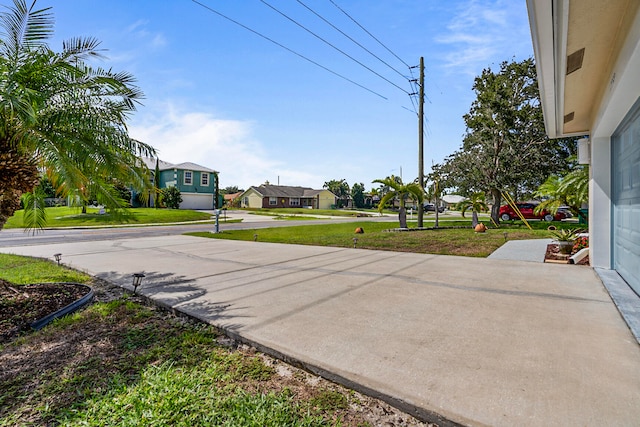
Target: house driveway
449, 339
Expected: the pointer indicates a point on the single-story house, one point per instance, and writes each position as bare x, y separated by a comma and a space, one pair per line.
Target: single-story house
230, 199
283, 196
197, 184
451, 200
588, 62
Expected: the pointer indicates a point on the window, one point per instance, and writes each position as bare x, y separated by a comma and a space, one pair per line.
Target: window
294, 201
273, 201
204, 179
188, 178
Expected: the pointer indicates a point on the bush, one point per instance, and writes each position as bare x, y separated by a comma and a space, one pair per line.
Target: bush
171, 197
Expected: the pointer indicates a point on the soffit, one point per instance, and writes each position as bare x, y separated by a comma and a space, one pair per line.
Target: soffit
599, 27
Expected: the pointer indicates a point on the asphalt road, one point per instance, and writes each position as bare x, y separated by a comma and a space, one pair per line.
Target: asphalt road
18, 237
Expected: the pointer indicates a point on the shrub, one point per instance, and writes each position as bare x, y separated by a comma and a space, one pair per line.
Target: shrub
171, 197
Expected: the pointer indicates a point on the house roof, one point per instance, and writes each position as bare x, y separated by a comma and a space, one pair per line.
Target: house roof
452, 198
285, 191
232, 196
163, 166
577, 45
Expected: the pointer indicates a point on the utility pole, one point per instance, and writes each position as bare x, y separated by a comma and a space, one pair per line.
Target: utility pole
421, 140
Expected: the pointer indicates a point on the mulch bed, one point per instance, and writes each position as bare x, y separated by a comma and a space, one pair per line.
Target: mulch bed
20, 305
553, 255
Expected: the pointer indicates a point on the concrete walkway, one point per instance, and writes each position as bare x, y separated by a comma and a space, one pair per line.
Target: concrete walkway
522, 250
450, 339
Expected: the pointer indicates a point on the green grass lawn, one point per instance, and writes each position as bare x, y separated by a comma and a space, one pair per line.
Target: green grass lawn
122, 363
73, 217
378, 235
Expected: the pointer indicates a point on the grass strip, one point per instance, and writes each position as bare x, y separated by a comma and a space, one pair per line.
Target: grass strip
452, 238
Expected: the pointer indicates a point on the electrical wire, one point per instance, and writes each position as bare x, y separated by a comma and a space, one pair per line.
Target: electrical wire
333, 46
350, 38
372, 36
286, 48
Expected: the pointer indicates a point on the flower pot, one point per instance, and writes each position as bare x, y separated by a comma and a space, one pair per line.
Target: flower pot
565, 247
480, 228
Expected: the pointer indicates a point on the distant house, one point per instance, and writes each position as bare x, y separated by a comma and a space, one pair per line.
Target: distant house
282, 196
231, 199
197, 184
451, 200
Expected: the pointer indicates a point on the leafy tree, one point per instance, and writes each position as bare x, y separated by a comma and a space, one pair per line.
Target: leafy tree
400, 191
476, 203
571, 190
230, 190
505, 147
172, 197
357, 194
341, 190
62, 116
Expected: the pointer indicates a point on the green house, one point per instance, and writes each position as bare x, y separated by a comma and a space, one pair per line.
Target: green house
197, 184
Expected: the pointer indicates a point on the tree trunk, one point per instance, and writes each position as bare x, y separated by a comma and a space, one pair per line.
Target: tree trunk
495, 208
402, 217
474, 219
18, 175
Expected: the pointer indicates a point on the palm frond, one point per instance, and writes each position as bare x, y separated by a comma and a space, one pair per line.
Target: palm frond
35, 216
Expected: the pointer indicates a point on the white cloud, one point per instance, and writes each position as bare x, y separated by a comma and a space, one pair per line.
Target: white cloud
227, 146
482, 32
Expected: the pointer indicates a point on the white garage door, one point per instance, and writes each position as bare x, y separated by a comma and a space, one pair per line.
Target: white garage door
196, 201
626, 198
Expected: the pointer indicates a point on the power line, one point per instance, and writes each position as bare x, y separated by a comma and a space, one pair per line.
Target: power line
372, 36
287, 49
350, 38
333, 46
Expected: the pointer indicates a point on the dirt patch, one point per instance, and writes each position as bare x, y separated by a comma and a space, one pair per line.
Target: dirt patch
20, 305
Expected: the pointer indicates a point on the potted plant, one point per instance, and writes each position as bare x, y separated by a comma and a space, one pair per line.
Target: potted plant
565, 238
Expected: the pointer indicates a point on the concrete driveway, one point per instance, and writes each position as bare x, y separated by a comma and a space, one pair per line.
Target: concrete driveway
449, 339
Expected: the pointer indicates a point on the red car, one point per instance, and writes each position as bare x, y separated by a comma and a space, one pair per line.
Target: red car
526, 209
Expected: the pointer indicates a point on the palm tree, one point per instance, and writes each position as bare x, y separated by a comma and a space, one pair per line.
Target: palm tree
400, 191
476, 203
571, 190
61, 117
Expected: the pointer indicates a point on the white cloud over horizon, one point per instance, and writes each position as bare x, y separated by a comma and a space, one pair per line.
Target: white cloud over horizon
225, 145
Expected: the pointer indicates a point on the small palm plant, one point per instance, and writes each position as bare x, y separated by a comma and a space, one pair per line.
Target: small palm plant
476, 203
565, 237
401, 191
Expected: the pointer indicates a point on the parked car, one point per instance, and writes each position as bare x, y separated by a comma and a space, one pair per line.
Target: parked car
526, 209
430, 207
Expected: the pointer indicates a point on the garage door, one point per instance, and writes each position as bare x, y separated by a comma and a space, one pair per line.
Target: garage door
626, 198
196, 201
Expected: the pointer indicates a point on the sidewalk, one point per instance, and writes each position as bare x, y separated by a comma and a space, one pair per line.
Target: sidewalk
450, 339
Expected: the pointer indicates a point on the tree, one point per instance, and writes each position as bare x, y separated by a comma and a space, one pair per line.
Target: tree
62, 116
400, 191
476, 203
505, 147
231, 190
357, 194
340, 188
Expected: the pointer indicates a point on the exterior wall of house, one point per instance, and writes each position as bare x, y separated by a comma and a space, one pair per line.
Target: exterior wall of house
621, 93
326, 199
251, 199
194, 195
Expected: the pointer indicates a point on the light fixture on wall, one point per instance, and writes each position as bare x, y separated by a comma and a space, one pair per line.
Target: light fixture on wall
584, 151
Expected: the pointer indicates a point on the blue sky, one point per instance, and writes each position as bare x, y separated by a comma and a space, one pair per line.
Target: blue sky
223, 97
